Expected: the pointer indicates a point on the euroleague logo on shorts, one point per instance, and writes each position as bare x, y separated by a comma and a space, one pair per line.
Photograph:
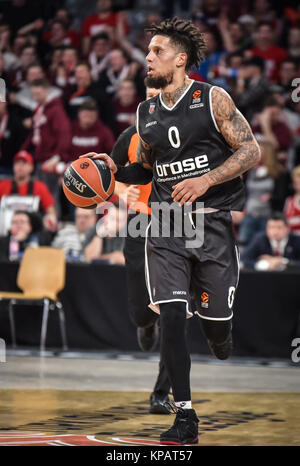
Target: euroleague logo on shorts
204, 299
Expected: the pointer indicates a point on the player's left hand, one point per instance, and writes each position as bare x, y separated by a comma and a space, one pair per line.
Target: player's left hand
187, 191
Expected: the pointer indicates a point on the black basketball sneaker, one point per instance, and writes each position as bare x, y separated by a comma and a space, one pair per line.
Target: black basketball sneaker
184, 430
222, 350
159, 404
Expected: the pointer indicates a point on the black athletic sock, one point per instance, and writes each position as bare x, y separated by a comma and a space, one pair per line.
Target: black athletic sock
217, 331
174, 351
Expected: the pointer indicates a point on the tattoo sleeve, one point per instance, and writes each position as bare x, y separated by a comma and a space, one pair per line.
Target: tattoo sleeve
237, 132
143, 155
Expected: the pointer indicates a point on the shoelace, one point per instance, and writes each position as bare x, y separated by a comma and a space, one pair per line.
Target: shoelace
175, 409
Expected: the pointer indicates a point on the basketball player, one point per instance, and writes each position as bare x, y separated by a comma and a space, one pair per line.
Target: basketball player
194, 130
124, 152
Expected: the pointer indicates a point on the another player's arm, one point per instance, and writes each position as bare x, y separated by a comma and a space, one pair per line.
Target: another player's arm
139, 172
237, 132
144, 154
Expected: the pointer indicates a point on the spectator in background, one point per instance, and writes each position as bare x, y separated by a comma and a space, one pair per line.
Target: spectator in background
227, 73
24, 98
72, 237
252, 87
86, 89
64, 17
12, 135
63, 75
19, 41
265, 48
271, 124
102, 242
263, 186
116, 71
98, 57
210, 11
53, 63
89, 134
287, 72
125, 105
274, 249
23, 184
106, 20
58, 35
294, 42
292, 206
28, 57
26, 231
233, 35
263, 12
289, 116
213, 54
10, 59
50, 136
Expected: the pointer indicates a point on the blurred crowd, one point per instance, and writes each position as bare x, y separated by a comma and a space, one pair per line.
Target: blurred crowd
74, 73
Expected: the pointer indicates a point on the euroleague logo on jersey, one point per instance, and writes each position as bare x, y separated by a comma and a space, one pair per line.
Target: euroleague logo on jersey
196, 101
196, 96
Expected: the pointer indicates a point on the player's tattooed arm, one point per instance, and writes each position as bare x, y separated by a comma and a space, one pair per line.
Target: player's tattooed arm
237, 132
143, 154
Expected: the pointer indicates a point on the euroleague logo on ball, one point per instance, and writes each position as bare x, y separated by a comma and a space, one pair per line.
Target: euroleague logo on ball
84, 165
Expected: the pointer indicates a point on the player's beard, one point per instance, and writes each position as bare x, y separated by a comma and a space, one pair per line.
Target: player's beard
159, 82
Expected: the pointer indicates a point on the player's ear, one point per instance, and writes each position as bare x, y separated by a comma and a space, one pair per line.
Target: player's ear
181, 59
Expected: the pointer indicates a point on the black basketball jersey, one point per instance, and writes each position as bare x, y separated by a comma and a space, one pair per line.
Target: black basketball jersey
186, 143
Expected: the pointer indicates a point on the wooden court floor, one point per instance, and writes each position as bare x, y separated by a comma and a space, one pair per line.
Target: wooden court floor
79, 417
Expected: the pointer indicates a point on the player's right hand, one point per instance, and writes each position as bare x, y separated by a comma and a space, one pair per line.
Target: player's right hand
106, 158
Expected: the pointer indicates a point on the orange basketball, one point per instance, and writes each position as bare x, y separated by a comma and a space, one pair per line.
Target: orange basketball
87, 182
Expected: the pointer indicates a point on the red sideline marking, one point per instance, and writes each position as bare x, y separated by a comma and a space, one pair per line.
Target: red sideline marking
14, 438
138, 441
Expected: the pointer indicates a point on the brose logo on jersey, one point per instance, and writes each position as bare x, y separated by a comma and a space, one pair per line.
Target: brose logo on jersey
181, 166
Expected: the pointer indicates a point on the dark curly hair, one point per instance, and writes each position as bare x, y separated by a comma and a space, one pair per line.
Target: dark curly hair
185, 35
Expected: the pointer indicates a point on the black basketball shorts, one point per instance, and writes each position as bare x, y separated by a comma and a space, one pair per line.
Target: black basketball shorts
208, 274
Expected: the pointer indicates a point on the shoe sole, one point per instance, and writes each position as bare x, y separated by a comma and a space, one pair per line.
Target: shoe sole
174, 442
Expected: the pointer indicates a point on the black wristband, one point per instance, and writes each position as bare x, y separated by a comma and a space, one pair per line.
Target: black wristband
133, 174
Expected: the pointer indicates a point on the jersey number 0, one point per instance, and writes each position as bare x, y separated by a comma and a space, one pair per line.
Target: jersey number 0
173, 135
